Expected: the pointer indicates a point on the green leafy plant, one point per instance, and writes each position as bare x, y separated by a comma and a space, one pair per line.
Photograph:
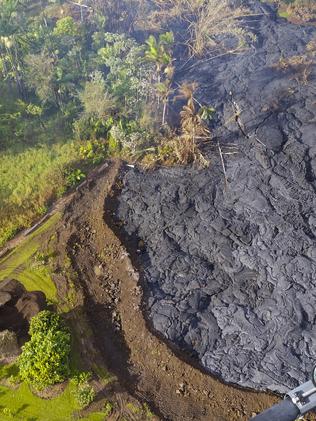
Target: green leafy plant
149, 414
134, 409
7, 412
46, 321
7, 233
108, 409
129, 75
159, 51
94, 151
74, 177
45, 357
81, 377
96, 99
66, 26
84, 393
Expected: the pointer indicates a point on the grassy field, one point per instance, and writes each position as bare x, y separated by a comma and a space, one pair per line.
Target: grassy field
30, 180
21, 264
22, 405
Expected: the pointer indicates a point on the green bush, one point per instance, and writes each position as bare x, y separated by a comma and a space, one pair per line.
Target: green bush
7, 234
74, 177
108, 409
81, 377
94, 151
84, 394
46, 321
45, 358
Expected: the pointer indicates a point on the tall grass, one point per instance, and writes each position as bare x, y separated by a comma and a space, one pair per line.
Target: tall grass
30, 180
211, 23
215, 22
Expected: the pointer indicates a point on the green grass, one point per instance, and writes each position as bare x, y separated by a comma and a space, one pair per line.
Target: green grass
25, 406
19, 264
30, 179
8, 370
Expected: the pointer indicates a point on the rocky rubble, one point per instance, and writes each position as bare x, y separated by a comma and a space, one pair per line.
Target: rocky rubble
230, 271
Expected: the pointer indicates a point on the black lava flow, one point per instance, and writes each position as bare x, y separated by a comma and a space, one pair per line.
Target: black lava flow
231, 272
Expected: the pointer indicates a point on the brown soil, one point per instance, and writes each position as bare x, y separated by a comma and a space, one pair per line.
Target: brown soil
106, 312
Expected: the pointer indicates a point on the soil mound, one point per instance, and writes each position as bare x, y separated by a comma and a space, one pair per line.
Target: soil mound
9, 348
17, 306
230, 271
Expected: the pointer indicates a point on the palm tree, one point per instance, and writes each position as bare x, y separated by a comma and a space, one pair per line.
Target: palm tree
164, 90
11, 47
159, 52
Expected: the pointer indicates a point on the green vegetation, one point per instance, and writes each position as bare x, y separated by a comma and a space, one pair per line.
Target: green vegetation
45, 358
23, 405
108, 409
80, 83
23, 263
17, 401
45, 361
26, 193
7, 371
84, 393
60, 79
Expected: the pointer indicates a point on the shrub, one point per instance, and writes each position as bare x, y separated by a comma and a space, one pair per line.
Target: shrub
96, 100
45, 358
7, 233
84, 394
129, 76
94, 151
7, 412
74, 177
66, 26
108, 409
46, 321
81, 377
82, 129
91, 127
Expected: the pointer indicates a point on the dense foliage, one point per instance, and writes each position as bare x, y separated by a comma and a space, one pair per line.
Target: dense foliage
82, 81
45, 357
65, 79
